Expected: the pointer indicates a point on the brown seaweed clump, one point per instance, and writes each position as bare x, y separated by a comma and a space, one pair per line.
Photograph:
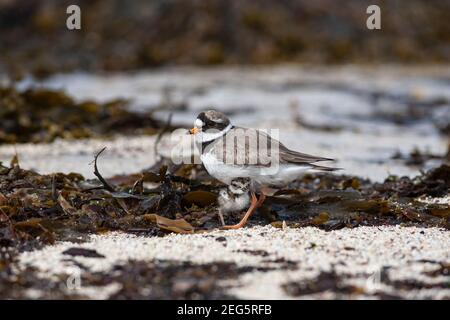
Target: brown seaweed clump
332, 202
36, 209
41, 115
159, 279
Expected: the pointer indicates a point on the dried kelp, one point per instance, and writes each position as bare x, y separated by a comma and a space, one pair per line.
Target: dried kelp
42, 115
158, 279
435, 183
168, 280
418, 158
333, 201
325, 281
37, 209
43, 208
340, 285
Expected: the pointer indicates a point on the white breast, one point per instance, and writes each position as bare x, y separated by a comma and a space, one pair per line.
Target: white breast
233, 204
262, 176
217, 169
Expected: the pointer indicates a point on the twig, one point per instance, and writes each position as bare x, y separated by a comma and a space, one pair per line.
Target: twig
106, 185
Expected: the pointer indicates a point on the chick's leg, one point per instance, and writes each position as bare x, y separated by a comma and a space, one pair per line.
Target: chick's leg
253, 205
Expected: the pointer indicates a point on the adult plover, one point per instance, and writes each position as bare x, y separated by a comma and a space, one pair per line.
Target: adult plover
229, 152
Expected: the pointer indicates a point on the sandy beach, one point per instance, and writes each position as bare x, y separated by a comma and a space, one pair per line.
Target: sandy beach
336, 109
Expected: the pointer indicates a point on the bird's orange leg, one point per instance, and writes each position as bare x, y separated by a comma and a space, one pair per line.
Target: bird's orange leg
254, 204
261, 199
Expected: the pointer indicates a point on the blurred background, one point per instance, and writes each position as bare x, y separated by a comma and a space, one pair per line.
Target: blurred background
312, 68
129, 35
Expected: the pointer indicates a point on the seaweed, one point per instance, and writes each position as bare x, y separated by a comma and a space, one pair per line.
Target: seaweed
135, 279
83, 252
435, 183
331, 281
44, 208
36, 210
418, 158
43, 115
40, 209
325, 281
169, 280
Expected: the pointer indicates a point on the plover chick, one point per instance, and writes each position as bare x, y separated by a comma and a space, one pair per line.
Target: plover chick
234, 198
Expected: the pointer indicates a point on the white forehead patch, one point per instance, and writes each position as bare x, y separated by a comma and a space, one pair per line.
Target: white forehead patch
199, 123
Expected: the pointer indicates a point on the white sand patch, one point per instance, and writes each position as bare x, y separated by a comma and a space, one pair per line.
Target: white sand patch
123, 155
437, 200
407, 251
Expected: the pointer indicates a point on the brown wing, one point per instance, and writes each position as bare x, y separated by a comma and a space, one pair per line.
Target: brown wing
244, 146
289, 155
240, 146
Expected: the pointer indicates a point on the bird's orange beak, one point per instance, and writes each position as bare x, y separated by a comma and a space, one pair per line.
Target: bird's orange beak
194, 130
